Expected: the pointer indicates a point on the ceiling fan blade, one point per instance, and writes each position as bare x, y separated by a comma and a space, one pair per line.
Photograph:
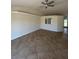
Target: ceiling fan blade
51, 5
46, 0
43, 3
51, 2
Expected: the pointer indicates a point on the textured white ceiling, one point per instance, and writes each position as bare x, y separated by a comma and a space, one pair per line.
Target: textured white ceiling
35, 7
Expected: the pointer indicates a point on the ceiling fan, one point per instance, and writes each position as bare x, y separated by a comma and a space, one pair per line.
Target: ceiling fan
48, 4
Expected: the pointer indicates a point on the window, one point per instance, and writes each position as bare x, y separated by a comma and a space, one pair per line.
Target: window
47, 20
65, 22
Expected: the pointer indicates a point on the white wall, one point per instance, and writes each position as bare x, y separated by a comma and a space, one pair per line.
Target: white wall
60, 23
23, 23
52, 26
57, 23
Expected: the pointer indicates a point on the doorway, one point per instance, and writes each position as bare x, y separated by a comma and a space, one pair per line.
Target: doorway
66, 24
